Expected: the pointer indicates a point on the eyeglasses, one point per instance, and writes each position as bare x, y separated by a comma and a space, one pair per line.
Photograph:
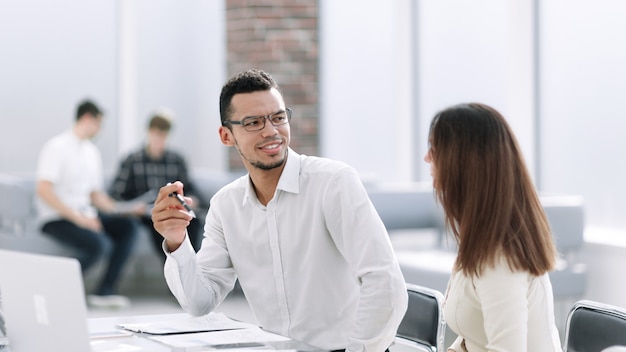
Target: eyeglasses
257, 123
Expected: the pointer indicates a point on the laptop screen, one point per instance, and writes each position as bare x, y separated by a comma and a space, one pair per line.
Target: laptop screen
43, 302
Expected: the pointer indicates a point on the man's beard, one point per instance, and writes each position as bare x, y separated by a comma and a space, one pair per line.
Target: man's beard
262, 166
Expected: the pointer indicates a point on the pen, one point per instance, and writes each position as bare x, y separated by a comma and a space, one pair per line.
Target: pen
182, 201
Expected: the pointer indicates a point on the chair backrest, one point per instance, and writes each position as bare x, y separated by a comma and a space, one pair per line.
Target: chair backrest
592, 326
423, 323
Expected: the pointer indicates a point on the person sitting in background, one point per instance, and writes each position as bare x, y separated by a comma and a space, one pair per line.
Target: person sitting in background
312, 256
144, 171
499, 296
74, 209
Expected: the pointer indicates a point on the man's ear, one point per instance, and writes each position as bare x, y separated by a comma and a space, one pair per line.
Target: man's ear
226, 136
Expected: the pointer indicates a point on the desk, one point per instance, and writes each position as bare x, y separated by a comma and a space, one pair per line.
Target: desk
604, 253
119, 340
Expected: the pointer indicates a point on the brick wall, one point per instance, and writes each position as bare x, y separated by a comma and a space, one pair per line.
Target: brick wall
280, 37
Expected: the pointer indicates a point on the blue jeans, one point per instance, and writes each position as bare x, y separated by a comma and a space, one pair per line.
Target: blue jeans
194, 230
115, 242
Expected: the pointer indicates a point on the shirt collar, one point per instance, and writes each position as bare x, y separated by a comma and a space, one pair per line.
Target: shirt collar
75, 139
289, 180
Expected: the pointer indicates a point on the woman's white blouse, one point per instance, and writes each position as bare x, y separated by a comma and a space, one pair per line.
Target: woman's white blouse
502, 310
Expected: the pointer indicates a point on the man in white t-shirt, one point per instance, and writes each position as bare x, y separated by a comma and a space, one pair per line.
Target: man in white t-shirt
73, 208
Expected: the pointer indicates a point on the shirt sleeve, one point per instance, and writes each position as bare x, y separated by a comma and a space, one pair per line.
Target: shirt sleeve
182, 277
503, 299
49, 164
199, 281
362, 239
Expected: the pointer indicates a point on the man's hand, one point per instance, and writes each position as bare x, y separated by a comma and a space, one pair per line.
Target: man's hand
92, 224
139, 209
169, 217
131, 208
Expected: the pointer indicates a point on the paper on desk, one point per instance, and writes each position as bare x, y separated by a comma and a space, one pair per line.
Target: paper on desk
209, 322
208, 339
108, 346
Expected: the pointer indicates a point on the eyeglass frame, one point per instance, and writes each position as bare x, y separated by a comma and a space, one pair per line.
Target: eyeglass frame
241, 122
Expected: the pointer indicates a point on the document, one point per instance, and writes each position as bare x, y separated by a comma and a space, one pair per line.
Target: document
130, 206
209, 322
113, 346
243, 338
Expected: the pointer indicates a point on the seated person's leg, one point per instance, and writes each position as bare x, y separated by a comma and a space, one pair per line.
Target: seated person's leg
195, 232
155, 238
89, 246
123, 232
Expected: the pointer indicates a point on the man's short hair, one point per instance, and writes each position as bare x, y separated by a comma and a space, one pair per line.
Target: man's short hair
160, 122
248, 81
87, 107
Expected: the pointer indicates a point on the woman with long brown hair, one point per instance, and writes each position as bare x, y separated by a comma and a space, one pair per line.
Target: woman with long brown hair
499, 297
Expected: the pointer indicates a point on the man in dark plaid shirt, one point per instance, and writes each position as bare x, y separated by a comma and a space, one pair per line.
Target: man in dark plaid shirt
143, 172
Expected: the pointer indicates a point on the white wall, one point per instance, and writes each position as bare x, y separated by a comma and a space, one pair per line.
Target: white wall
376, 98
366, 86
181, 56
478, 51
483, 51
128, 56
53, 54
583, 86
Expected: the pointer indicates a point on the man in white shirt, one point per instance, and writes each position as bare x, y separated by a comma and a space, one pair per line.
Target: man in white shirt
300, 233
74, 210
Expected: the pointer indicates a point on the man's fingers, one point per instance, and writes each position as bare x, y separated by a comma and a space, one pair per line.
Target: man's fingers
166, 190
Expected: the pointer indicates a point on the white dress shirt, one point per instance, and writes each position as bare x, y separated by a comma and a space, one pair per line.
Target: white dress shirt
315, 264
502, 310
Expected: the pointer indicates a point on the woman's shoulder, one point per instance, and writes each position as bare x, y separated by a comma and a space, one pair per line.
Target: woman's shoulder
502, 271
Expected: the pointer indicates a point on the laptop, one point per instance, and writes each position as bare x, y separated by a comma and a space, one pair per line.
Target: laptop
43, 302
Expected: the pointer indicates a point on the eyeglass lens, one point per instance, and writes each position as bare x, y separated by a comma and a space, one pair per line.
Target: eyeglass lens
257, 123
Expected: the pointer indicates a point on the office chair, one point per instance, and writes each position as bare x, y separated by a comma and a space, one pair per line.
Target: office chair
423, 327
592, 326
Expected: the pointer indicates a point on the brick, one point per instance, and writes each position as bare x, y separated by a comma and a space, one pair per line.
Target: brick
280, 37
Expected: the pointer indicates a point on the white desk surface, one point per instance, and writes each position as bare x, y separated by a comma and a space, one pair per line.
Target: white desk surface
106, 337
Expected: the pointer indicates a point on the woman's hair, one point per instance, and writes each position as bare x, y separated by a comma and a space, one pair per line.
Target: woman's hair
488, 197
